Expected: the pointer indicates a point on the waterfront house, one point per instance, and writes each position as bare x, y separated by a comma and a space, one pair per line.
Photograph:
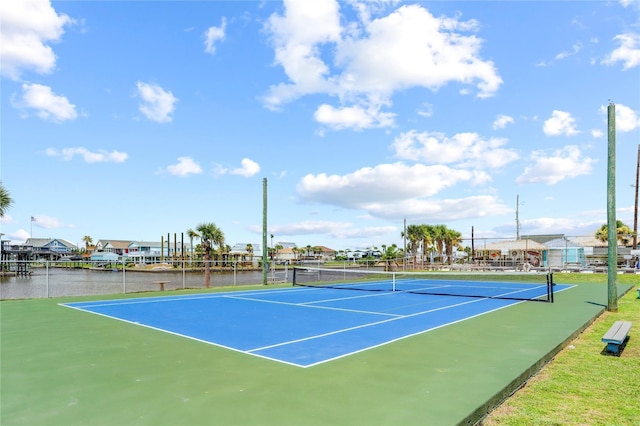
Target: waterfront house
50, 248
143, 252
247, 253
120, 247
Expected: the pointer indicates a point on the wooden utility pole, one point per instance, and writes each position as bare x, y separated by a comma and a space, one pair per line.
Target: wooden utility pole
635, 214
612, 234
264, 231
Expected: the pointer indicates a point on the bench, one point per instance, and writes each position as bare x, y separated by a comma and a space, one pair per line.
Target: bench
161, 284
616, 335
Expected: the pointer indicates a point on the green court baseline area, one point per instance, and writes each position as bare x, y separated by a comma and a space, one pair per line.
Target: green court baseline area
306, 326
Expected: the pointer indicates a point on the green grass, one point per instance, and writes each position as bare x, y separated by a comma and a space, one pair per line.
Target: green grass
583, 385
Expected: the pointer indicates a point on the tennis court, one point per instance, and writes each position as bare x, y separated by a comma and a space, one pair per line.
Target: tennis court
63, 366
307, 326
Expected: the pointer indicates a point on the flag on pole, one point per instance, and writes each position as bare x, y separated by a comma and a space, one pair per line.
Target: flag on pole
33, 219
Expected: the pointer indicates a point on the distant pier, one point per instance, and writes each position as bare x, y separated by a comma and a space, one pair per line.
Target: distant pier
15, 261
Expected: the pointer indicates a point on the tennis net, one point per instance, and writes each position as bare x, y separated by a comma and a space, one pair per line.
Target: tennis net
502, 285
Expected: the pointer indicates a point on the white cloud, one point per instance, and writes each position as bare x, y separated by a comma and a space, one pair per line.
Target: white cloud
570, 226
392, 191
354, 117
157, 104
465, 149
20, 235
213, 35
7, 218
626, 118
47, 222
434, 210
565, 54
309, 227
101, 156
26, 28
296, 37
373, 59
426, 110
560, 123
184, 167
597, 133
565, 163
412, 48
248, 168
384, 183
502, 121
628, 52
48, 105
336, 230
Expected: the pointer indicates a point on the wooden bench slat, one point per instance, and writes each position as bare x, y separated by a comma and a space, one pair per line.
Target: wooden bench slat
618, 331
616, 335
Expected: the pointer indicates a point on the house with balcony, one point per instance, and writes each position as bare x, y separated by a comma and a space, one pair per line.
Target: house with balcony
145, 252
119, 247
247, 253
50, 248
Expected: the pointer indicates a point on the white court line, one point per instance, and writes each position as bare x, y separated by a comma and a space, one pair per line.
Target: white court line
306, 305
336, 299
174, 298
399, 317
164, 330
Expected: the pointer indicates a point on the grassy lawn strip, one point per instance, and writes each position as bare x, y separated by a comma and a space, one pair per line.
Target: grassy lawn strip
584, 385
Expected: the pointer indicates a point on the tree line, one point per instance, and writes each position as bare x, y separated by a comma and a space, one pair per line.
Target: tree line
435, 241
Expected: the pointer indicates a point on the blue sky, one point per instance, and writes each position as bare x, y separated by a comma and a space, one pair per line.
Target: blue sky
131, 120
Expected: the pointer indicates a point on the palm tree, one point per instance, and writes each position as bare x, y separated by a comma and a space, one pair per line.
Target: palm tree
5, 200
389, 255
623, 233
210, 235
224, 251
439, 235
249, 249
191, 234
87, 241
317, 251
452, 240
427, 235
413, 234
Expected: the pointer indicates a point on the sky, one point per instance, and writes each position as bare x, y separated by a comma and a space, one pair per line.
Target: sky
131, 120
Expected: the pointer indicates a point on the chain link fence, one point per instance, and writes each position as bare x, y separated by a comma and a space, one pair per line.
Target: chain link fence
44, 279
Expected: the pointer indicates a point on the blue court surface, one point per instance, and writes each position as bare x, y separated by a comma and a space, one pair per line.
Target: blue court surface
299, 326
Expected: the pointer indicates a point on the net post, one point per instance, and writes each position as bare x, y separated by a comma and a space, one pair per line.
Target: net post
550, 287
293, 279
